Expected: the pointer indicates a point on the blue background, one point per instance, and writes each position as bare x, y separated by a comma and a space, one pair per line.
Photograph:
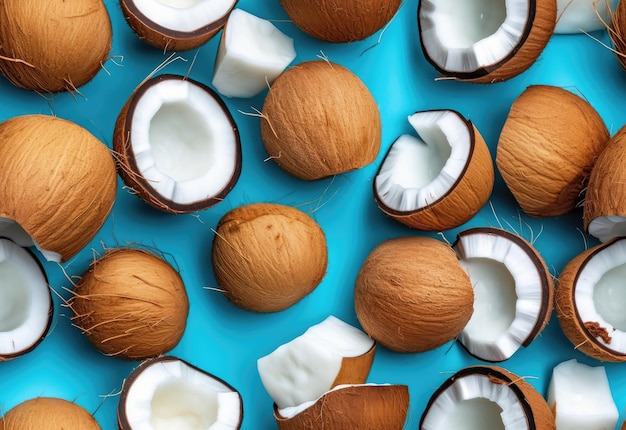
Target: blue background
225, 340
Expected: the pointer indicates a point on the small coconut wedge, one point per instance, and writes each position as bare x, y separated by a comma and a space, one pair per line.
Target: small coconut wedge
25, 301
486, 397
438, 180
482, 41
48, 413
580, 16
177, 145
590, 301
326, 355
513, 292
365, 406
169, 393
176, 25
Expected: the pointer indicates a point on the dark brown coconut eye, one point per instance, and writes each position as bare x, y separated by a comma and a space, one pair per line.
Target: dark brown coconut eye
178, 145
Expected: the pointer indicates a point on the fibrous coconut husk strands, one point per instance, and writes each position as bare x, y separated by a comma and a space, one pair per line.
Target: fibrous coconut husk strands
616, 30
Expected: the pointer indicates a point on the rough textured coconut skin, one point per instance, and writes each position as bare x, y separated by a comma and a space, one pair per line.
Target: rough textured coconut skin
617, 32
547, 148
266, 257
353, 407
583, 335
340, 21
606, 191
319, 120
412, 295
53, 46
48, 413
57, 180
131, 304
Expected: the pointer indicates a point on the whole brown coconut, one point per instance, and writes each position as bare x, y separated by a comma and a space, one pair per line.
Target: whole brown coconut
58, 181
412, 295
266, 257
52, 46
48, 413
319, 120
131, 304
548, 145
340, 21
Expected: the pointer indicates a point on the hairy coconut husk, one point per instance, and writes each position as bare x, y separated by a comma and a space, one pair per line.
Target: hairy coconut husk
266, 257
131, 304
340, 21
58, 181
547, 148
412, 294
617, 32
53, 46
369, 406
48, 413
319, 119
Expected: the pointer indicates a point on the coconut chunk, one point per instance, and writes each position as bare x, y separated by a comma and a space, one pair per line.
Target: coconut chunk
580, 397
251, 55
306, 367
578, 16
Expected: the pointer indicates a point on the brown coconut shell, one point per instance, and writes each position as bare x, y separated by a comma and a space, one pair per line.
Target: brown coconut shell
48, 413
464, 199
412, 295
340, 21
617, 32
131, 304
353, 407
53, 46
355, 370
266, 257
547, 148
583, 335
167, 39
319, 119
58, 181
606, 190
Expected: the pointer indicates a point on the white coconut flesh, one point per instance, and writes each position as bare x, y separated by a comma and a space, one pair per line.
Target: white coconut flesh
251, 55
171, 394
473, 34
580, 396
184, 16
12, 230
183, 141
600, 296
605, 228
418, 171
25, 301
577, 16
305, 368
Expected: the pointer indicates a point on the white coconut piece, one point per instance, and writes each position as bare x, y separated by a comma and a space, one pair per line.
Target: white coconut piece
183, 15
12, 230
252, 53
577, 16
306, 367
605, 228
25, 301
580, 397
169, 393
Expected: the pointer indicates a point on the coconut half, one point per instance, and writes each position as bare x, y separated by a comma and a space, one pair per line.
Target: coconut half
486, 397
177, 145
25, 301
438, 180
169, 393
484, 41
176, 25
513, 292
326, 355
590, 301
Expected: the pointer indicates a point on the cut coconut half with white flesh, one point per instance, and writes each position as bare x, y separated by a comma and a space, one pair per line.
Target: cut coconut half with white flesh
438, 180
327, 354
513, 292
590, 301
580, 397
484, 41
251, 55
582, 16
169, 393
25, 301
486, 398
176, 25
178, 145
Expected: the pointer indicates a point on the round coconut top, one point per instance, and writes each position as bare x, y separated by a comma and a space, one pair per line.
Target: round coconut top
48, 413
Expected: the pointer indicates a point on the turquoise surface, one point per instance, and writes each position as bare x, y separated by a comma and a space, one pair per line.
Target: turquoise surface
225, 340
